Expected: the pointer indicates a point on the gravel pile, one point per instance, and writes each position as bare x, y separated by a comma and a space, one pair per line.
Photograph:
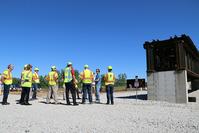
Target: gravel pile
126, 116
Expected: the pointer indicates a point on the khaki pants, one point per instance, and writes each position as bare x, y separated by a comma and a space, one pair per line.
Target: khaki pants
52, 90
1, 86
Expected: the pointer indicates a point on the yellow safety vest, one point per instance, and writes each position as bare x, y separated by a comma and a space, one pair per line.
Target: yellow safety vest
35, 77
26, 79
87, 76
52, 76
109, 78
67, 75
7, 77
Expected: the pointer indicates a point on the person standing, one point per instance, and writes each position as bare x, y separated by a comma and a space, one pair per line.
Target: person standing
22, 73
109, 83
0, 85
87, 78
97, 85
7, 82
70, 82
35, 83
26, 84
52, 79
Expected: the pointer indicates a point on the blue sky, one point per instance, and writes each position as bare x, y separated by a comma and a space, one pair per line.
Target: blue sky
94, 32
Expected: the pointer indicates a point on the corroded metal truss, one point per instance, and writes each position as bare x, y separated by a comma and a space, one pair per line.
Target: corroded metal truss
176, 53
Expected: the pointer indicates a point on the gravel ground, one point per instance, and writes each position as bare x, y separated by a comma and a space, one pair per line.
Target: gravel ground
126, 116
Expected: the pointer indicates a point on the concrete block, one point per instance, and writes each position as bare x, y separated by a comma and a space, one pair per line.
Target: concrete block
170, 86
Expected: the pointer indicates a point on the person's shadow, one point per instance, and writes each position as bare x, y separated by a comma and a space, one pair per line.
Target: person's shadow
140, 97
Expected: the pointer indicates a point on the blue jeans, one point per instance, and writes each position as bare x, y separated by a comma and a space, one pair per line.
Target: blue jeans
34, 89
97, 92
109, 93
87, 89
6, 91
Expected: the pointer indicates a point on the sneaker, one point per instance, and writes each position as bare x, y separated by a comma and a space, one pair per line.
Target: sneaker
97, 101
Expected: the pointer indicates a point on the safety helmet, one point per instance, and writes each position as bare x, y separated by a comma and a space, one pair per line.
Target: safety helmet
86, 66
36, 69
110, 67
53, 67
25, 65
69, 63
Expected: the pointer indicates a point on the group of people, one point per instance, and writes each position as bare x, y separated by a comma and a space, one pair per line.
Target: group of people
31, 80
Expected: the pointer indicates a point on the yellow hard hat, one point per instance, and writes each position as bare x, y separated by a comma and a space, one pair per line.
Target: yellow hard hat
86, 66
110, 67
36, 69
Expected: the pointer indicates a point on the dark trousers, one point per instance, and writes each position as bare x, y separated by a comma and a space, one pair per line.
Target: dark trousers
70, 87
6, 91
25, 95
77, 91
35, 87
87, 89
109, 93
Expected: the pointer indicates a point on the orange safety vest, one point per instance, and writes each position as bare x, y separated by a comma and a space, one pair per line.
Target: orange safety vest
87, 76
7, 75
110, 78
35, 77
52, 78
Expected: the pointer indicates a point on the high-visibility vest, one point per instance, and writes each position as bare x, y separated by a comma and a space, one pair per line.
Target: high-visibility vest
67, 75
22, 73
52, 77
0, 80
87, 76
7, 75
109, 78
35, 77
26, 79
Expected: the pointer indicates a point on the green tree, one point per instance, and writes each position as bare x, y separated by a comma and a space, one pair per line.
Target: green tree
60, 78
121, 80
16, 82
102, 80
43, 82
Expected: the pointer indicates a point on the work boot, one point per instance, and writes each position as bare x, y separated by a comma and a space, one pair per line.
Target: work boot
68, 104
75, 104
27, 104
5, 103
